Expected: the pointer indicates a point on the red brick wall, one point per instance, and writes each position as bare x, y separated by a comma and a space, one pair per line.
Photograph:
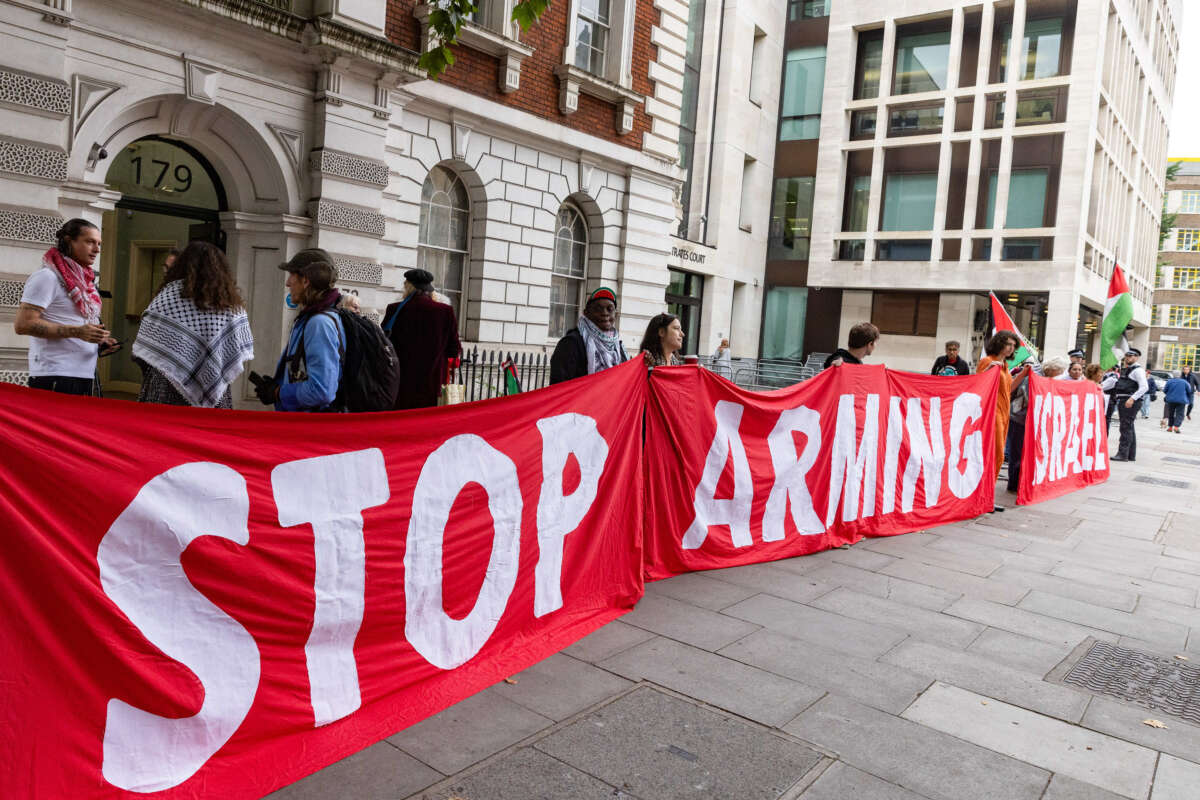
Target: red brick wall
479, 73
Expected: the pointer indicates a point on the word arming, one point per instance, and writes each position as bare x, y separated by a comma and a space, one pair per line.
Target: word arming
919, 455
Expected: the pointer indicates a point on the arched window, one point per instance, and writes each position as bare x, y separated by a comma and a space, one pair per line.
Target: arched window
570, 268
445, 233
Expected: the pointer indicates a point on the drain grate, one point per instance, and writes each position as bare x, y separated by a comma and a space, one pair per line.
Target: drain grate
1162, 482
1177, 460
1150, 681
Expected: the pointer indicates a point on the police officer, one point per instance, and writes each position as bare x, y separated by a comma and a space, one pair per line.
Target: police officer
1125, 390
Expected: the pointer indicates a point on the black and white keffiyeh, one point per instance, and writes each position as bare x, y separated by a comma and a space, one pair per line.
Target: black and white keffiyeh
199, 352
603, 348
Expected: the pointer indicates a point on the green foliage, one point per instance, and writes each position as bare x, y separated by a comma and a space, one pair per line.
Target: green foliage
446, 19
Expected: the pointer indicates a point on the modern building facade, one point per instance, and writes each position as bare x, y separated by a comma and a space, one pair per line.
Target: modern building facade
541, 165
730, 105
1175, 318
942, 173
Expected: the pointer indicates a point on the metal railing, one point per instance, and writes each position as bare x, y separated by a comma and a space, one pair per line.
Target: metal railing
482, 372
764, 374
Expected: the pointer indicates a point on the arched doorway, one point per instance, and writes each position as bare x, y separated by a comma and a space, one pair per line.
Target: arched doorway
170, 195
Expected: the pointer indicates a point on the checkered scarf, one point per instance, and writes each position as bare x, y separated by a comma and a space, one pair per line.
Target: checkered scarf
78, 281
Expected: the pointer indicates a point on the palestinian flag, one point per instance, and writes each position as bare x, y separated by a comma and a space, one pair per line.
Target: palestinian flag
1118, 313
1001, 321
512, 382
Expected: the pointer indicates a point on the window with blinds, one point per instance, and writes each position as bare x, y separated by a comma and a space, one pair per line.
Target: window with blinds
905, 313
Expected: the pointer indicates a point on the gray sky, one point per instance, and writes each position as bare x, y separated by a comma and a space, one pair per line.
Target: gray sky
1185, 124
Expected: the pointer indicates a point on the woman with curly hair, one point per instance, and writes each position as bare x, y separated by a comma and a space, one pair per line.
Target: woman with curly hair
194, 337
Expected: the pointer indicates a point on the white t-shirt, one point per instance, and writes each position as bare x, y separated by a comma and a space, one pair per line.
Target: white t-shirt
72, 358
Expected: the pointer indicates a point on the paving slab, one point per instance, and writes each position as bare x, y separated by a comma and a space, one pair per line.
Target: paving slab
687, 623
1063, 788
885, 586
1174, 577
1027, 623
1131, 567
903, 547
524, 774
1031, 522
980, 674
561, 686
953, 581
1176, 779
1170, 634
1089, 528
1062, 587
735, 686
657, 746
957, 544
379, 771
1117, 580
863, 680
1029, 655
1125, 721
861, 557
771, 579
469, 731
701, 589
918, 622
815, 625
916, 757
1104, 761
844, 782
1168, 612
982, 535
1114, 541
608, 641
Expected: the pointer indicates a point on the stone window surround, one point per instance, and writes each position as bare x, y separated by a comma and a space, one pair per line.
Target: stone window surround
503, 44
615, 85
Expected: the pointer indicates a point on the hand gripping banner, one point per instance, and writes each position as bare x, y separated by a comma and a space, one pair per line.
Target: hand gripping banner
1066, 443
215, 603
737, 477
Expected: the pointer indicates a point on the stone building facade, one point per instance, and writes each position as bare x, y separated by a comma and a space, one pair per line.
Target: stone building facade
521, 179
1175, 316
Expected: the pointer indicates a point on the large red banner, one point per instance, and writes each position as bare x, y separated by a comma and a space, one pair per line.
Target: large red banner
1066, 441
736, 477
214, 604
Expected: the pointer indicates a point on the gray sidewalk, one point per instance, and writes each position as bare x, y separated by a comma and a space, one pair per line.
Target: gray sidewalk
943, 665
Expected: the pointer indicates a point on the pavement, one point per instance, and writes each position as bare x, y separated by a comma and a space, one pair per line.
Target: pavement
930, 665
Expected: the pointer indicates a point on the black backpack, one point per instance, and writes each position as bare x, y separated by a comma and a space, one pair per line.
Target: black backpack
370, 370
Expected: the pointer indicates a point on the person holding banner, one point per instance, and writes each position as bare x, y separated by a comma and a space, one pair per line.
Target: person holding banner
1052, 369
997, 351
1125, 392
592, 345
663, 341
860, 343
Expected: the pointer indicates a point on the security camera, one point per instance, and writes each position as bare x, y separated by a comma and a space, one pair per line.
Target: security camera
96, 155
103, 154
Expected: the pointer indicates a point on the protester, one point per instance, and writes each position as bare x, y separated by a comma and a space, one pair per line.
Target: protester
169, 261
310, 368
1015, 449
194, 337
950, 364
1073, 373
663, 341
722, 356
859, 344
1176, 395
1126, 392
1192, 378
593, 344
997, 350
60, 309
350, 303
1094, 373
425, 334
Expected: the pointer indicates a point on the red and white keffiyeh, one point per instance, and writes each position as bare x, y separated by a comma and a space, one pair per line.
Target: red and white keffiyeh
79, 281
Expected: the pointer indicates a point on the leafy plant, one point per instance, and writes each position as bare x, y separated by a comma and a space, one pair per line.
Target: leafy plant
1167, 222
446, 18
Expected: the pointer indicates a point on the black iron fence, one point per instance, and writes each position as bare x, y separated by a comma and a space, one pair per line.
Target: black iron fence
482, 372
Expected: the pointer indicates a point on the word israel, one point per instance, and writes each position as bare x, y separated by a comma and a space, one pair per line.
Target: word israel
140, 570
1066, 445
916, 452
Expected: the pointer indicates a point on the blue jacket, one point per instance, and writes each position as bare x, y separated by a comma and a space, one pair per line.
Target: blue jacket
1178, 390
324, 346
